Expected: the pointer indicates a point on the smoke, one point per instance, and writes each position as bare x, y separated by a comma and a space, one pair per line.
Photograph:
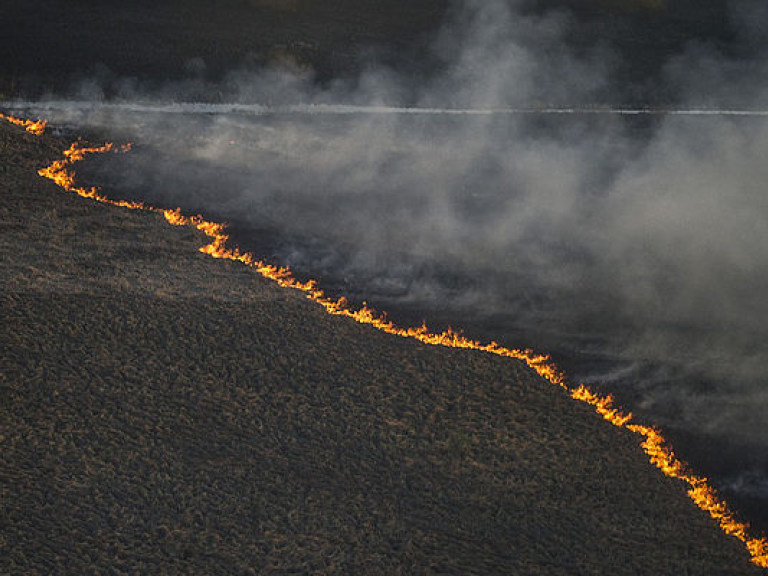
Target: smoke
635, 247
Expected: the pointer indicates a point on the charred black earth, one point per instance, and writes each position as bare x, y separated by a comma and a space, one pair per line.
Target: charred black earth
49, 46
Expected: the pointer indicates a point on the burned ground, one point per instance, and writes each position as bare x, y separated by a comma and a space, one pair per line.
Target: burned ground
111, 46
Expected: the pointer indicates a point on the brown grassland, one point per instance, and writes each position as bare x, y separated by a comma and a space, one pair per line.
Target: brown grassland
163, 412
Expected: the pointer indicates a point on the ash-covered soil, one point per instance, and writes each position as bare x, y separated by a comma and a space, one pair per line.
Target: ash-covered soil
162, 412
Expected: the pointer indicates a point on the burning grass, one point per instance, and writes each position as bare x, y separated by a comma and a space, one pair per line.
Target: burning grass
434, 455
36, 127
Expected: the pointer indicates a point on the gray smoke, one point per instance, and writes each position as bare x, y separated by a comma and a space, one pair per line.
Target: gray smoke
642, 240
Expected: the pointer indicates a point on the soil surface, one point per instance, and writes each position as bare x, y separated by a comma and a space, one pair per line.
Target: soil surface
164, 412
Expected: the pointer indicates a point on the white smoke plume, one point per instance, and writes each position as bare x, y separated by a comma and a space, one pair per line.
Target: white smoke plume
505, 194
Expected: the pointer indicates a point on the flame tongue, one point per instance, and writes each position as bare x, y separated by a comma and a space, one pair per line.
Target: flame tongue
660, 454
61, 173
36, 127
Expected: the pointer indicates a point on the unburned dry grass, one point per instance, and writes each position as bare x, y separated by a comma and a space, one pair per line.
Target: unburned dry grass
162, 412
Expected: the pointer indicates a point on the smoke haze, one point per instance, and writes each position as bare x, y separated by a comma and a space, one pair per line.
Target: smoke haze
633, 247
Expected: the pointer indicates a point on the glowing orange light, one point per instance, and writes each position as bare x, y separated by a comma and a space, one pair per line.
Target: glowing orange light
61, 173
660, 454
36, 127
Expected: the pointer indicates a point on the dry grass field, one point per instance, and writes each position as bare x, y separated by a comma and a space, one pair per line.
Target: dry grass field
165, 413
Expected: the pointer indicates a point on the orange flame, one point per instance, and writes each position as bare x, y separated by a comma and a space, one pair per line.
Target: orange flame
62, 175
660, 454
36, 127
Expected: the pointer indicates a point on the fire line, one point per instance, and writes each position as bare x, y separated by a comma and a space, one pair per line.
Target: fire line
653, 443
36, 127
